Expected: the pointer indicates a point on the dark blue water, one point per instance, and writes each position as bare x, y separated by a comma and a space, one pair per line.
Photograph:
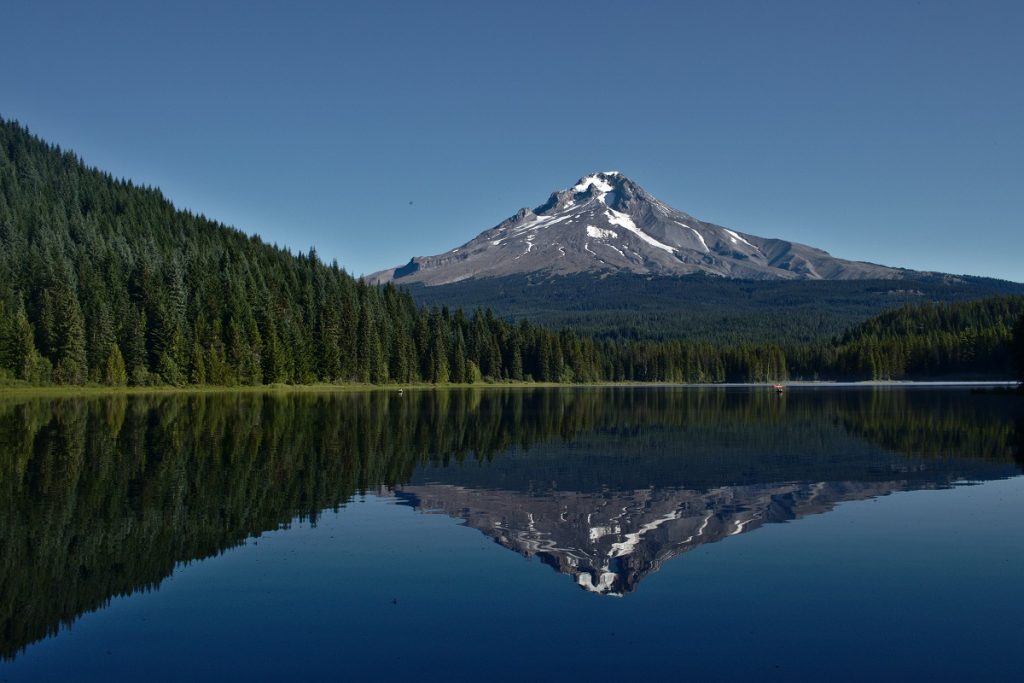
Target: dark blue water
514, 535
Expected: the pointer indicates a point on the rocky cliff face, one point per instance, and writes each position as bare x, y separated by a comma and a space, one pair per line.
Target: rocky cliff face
607, 223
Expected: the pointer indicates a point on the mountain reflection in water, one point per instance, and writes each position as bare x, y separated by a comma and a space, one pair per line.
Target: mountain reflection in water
609, 542
102, 497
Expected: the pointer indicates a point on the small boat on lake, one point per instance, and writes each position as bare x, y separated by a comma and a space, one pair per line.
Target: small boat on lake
779, 388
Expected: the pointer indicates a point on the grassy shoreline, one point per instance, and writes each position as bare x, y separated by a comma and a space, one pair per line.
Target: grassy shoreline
67, 391
60, 391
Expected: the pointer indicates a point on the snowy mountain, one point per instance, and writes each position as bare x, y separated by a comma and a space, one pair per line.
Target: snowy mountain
607, 223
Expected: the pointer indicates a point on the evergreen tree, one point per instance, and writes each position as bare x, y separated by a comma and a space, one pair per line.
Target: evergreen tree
438, 351
114, 373
66, 334
458, 359
197, 364
18, 354
136, 358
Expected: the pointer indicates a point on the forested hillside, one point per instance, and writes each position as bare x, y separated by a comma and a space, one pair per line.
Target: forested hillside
703, 308
970, 339
103, 281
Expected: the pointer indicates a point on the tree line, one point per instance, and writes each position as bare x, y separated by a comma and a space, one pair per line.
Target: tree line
702, 307
966, 339
103, 281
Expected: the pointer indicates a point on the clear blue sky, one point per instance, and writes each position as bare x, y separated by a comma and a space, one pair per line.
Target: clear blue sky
883, 131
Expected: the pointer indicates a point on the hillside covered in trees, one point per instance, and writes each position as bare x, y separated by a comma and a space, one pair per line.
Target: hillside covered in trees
103, 281
702, 307
970, 339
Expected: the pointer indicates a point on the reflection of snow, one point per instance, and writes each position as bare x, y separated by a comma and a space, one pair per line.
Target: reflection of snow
627, 546
604, 584
740, 525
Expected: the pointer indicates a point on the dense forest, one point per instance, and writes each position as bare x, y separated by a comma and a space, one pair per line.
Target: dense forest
103, 281
700, 307
971, 339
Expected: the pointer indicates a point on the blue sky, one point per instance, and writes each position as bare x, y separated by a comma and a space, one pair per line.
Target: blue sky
881, 131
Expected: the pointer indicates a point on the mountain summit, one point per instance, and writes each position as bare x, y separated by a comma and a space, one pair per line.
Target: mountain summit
608, 223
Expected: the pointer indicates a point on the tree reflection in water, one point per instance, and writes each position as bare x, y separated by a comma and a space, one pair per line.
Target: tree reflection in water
102, 497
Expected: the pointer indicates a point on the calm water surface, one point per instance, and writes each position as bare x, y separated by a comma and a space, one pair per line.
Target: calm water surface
513, 534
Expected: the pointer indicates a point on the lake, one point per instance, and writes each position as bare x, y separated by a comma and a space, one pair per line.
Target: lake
513, 534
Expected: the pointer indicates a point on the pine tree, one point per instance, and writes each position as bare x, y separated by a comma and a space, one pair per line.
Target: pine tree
168, 370
239, 355
114, 373
136, 358
67, 335
458, 359
516, 351
438, 352
197, 364
18, 353
370, 355
275, 370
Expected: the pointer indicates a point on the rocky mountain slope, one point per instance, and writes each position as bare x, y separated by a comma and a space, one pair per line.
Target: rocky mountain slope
606, 223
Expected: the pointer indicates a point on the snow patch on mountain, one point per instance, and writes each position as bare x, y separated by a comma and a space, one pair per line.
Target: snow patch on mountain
600, 233
621, 253
695, 234
734, 236
621, 219
535, 224
597, 181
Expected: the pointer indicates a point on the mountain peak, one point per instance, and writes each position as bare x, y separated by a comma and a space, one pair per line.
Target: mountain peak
602, 181
607, 223
606, 187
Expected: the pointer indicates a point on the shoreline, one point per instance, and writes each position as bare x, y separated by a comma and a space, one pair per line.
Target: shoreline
98, 390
